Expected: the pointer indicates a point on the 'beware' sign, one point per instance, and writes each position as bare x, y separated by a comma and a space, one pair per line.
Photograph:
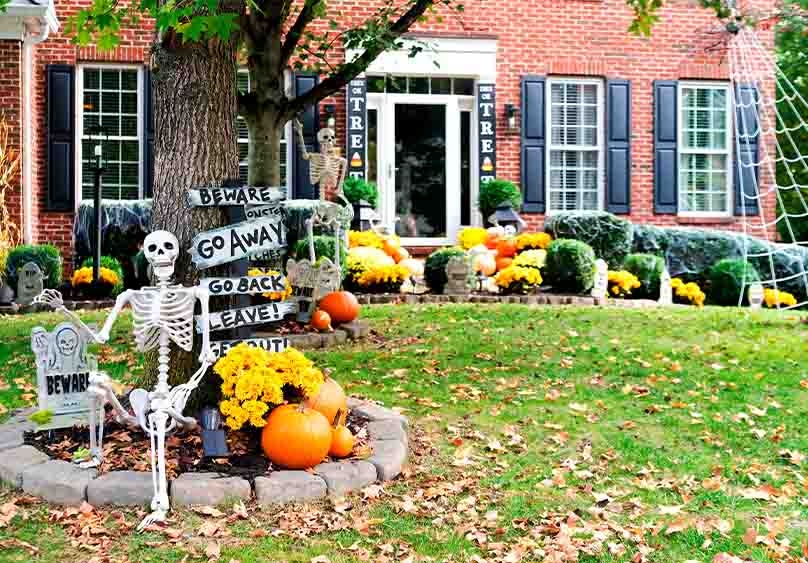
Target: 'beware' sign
252, 195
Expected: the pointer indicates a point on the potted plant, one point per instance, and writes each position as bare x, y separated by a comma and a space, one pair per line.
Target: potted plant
493, 193
360, 193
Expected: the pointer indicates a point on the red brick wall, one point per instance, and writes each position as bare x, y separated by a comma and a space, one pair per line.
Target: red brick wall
11, 109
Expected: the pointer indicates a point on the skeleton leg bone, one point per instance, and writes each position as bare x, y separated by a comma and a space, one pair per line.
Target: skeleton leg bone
310, 234
159, 503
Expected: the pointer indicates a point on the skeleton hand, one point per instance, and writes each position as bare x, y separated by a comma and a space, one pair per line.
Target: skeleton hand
51, 298
102, 337
207, 357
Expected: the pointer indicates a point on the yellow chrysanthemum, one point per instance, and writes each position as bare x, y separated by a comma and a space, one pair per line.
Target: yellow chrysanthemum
526, 241
272, 295
471, 236
383, 275
778, 298
688, 292
531, 258
84, 276
518, 279
622, 282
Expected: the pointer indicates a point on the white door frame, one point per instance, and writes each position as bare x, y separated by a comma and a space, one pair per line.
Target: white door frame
384, 104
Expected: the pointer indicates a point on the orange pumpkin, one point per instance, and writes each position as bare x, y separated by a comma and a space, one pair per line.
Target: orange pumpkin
491, 241
342, 306
506, 248
342, 442
321, 321
503, 262
400, 254
390, 246
330, 401
296, 437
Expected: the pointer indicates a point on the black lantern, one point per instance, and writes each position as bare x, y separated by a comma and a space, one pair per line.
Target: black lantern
330, 112
98, 136
364, 216
214, 443
505, 216
510, 115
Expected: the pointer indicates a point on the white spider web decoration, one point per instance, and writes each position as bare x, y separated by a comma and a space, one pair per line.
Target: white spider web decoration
759, 86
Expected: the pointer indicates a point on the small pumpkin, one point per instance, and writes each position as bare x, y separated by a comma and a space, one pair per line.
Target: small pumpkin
342, 442
503, 262
506, 248
485, 264
320, 320
330, 401
415, 267
296, 437
491, 241
400, 254
390, 245
341, 306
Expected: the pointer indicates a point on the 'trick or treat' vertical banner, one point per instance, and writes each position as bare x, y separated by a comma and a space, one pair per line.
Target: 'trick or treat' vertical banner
356, 127
487, 117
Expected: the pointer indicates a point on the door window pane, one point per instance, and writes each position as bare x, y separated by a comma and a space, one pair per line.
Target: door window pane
373, 131
420, 170
465, 168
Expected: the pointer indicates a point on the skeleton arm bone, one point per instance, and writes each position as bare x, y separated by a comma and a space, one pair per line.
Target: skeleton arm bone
343, 166
205, 355
299, 128
54, 299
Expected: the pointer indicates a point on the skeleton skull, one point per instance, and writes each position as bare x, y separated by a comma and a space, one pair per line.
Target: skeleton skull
161, 249
326, 138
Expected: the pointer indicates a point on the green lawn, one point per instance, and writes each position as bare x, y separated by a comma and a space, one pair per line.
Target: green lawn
538, 434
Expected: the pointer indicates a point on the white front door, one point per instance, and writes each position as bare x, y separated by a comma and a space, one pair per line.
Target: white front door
420, 150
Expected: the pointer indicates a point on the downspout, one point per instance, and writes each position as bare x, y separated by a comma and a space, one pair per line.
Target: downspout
28, 44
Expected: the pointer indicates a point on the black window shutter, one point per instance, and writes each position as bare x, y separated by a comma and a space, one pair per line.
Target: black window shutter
666, 165
533, 143
61, 137
302, 188
618, 146
148, 141
747, 145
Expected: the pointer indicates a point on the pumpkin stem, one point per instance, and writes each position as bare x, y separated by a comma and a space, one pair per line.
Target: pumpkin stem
337, 418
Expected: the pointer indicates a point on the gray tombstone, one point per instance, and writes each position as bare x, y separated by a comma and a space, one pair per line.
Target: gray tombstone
458, 273
601, 287
30, 283
311, 283
63, 369
665, 288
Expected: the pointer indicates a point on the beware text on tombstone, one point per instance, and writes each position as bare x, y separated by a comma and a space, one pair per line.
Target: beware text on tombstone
63, 369
357, 127
241, 240
487, 134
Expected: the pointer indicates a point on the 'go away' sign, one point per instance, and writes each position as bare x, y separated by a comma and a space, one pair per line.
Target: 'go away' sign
238, 241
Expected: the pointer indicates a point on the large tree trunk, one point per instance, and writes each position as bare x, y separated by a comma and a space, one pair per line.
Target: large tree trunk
264, 155
195, 145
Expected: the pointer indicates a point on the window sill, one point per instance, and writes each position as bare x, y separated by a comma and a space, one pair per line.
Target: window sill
705, 220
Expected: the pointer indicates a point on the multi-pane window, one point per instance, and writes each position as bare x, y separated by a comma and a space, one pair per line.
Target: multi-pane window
704, 149
420, 85
575, 148
110, 114
244, 85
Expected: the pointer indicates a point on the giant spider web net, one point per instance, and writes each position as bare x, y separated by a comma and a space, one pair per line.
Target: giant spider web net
770, 111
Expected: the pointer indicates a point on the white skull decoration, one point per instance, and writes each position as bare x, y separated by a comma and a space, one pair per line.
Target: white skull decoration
326, 138
161, 249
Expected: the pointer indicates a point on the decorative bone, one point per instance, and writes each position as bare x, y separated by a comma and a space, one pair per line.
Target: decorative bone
160, 315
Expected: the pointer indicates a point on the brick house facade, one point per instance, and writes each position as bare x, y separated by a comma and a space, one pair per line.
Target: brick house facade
586, 116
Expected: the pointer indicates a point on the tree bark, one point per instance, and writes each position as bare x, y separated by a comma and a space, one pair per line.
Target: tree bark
264, 154
194, 87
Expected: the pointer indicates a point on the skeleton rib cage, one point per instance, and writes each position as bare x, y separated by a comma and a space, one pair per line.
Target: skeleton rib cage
170, 310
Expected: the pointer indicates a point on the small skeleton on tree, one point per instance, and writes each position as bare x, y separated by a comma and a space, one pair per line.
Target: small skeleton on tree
326, 170
161, 315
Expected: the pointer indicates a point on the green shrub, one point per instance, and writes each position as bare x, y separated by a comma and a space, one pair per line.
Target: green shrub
609, 235
357, 189
435, 267
494, 192
323, 248
109, 263
570, 266
46, 256
648, 269
728, 279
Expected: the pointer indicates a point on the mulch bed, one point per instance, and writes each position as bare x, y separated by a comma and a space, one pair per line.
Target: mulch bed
126, 449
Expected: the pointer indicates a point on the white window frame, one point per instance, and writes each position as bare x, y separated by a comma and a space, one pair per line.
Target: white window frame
599, 147
728, 151
79, 109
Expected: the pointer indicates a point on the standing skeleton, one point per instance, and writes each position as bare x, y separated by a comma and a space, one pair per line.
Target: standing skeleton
327, 169
160, 315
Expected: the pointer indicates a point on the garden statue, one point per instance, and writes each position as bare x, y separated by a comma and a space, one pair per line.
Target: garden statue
665, 288
458, 276
327, 170
30, 283
601, 287
161, 315
755, 295
311, 283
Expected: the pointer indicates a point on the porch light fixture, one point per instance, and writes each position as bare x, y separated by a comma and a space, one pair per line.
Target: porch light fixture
505, 217
510, 113
330, 111
213, 439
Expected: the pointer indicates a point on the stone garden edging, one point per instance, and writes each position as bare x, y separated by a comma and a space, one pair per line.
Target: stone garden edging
25, 467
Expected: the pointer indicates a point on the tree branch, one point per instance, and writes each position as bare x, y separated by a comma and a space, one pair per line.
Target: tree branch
349, 70
304, 18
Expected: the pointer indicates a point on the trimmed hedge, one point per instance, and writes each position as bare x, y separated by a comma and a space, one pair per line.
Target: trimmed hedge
609, 235
727, 282
570, 266
46, 256
109, 263
435, 267
648, 269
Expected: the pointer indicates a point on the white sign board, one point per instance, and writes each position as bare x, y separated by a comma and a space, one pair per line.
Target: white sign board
271, 344
246, 316
246, 285
252, 195
63, 369
234, 242
261, 211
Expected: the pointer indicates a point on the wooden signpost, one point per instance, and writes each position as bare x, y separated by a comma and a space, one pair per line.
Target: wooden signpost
220, 197
244, 285
270, 343
234, 242
248, 316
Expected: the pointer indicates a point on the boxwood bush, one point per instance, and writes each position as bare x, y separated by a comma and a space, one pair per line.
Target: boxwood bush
435, 267
46, 256
494, 192
726, 282
357, 189
111, 264
648, 269
570, 266
608, 235
323, 248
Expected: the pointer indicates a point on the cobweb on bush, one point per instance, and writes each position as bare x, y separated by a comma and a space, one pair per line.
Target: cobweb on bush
753, 68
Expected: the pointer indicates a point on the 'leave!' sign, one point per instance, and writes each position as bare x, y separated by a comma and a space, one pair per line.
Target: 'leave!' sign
237, 241
246, 316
